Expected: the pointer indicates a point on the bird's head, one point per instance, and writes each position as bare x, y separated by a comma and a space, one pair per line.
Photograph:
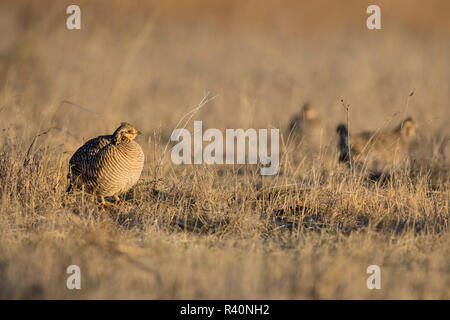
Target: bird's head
125, 131
407, 129
308, 112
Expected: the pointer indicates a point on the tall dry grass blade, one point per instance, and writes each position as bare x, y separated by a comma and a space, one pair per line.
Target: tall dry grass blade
203, 102
28, 154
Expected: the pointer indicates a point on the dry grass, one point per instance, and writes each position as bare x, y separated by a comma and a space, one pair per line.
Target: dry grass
221, 232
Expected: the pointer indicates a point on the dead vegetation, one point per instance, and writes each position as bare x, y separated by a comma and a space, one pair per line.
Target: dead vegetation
200, 231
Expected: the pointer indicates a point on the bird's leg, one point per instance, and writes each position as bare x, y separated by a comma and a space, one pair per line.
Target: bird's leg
104, 203
117, 199
69, 185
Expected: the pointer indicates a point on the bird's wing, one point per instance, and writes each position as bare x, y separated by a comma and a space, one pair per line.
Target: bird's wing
91, 147
82, 160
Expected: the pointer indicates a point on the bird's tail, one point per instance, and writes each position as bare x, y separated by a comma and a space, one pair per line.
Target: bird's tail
344, 143
69, 182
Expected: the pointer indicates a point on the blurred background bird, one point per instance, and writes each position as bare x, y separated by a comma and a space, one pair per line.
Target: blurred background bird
378, 149
305, 131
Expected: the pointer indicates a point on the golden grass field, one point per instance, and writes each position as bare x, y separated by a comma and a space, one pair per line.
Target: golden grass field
207, 232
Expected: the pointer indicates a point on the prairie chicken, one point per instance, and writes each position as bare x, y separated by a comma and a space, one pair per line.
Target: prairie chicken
378, 148
306, 127
107, 165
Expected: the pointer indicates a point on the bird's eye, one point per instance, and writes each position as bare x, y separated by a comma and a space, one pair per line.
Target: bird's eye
130, 131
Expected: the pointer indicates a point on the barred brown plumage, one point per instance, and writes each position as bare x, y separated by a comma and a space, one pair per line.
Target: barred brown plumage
378, 149
107, 165
305, 130
306, 123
